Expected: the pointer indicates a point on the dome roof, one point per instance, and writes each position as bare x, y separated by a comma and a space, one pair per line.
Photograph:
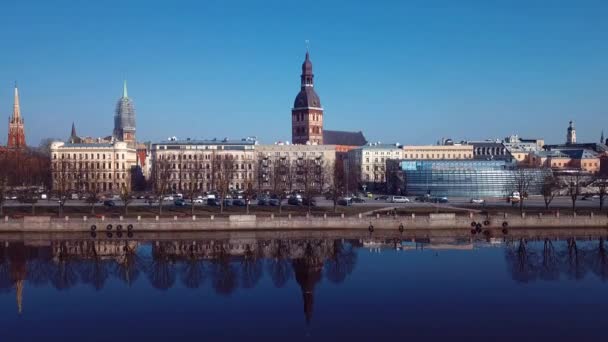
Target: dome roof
307, 97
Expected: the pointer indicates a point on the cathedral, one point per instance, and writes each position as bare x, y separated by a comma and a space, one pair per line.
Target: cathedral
307, 118
16, 129
307, 113
124, 119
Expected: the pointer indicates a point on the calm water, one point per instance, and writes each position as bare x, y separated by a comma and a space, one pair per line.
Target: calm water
303, 288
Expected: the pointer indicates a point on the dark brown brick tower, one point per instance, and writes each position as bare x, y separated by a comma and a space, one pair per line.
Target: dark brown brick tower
307, 113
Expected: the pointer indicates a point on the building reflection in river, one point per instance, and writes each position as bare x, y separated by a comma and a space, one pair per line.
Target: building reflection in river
238, 263
229, 264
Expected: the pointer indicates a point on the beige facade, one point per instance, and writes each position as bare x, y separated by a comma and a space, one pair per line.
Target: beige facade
276, 162
435, 152
371, 161
193, 164
558, 161
84, 167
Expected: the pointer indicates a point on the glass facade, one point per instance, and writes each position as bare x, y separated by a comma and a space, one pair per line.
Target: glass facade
467, 178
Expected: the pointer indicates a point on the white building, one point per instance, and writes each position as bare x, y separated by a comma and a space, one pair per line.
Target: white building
192, 164
370, 162
82, 167
279, 165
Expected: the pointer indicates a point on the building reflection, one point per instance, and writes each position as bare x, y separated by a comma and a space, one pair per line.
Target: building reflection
227, 265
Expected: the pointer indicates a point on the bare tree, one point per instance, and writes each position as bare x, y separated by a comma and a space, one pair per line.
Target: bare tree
521, 183
63, 174
224, 170
280, 179
338, 182
601, 182
549, 189
194, 176
4, 174
573, 183
92, 196
161, 174
126, 191
310, 175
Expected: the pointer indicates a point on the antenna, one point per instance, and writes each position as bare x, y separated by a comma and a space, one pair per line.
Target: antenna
307, 42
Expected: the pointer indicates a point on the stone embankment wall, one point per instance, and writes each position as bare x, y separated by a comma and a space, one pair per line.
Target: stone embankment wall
251, 222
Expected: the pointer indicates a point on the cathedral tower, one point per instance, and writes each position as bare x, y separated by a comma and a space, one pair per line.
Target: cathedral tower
307, 113
124, 119
16, 129
571, 135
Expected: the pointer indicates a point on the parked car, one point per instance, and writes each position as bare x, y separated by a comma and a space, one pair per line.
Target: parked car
400, 199
514, 197
263, 201
239, 202
440, 199
43, 196
214, 202
381, 198
198, 201
293, 200
180, 202
168, 198
424, 198
478, 201
275, 202
357, 200
309, 202
109, 203
227, 202
345, 202
587, 197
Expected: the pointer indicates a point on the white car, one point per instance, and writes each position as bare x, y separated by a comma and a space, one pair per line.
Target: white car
478, 201
399, 199
198, 201
168, 198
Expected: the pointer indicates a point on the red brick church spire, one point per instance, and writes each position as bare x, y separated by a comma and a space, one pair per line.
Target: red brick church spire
16, 130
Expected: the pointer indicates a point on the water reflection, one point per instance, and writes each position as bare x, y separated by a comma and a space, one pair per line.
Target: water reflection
549, 260
227, 265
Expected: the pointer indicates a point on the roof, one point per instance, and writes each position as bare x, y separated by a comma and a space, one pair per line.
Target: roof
382, 146
307, 97
568, 153
578, 146
579, 154
208, 142
343, 138
88, 145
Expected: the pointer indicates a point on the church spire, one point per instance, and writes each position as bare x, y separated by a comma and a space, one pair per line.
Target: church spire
602, 140
307, 75
16, 109
124, 90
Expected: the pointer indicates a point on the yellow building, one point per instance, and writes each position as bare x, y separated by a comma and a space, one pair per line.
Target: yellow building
435, 152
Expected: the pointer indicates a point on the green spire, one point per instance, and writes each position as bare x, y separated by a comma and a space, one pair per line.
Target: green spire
124, 90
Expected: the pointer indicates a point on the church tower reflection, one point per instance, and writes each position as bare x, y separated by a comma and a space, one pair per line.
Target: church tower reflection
308, 270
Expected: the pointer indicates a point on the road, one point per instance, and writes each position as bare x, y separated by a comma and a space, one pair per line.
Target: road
532, 202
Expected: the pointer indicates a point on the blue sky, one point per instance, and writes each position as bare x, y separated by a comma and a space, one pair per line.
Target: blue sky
401, 71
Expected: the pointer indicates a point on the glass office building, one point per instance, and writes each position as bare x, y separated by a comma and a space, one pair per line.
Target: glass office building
467, 178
